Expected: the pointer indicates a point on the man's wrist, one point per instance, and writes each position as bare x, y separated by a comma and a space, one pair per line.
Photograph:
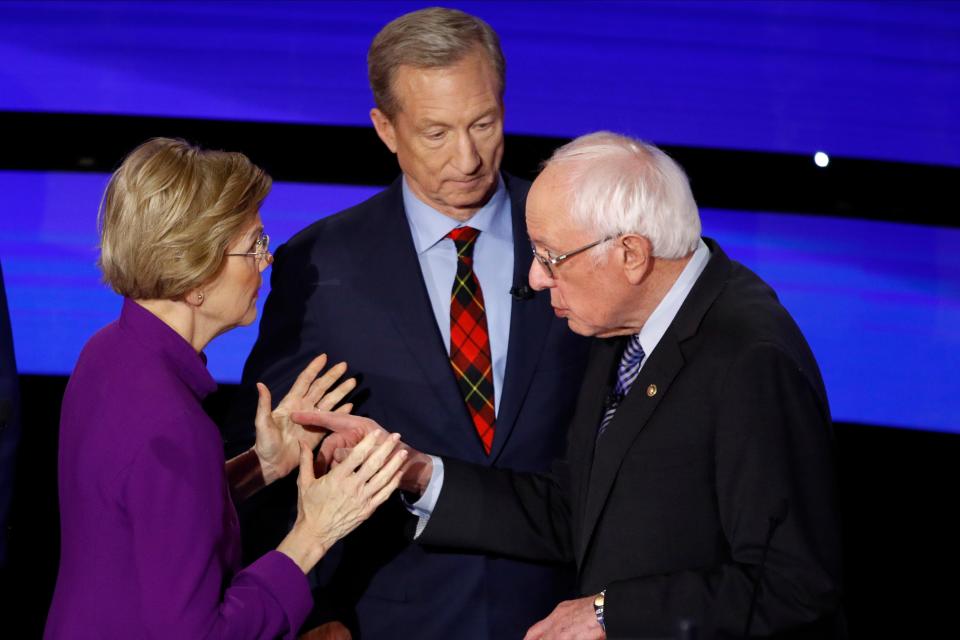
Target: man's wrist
422, 506
416, 474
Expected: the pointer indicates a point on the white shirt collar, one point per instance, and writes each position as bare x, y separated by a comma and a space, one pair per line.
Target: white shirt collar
656, 325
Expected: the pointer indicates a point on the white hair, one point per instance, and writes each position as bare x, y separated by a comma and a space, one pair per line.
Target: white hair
619, 185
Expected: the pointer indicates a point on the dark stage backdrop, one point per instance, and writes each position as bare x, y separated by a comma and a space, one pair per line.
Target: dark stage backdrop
863, 245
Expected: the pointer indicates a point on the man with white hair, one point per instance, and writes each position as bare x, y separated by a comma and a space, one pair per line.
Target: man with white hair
698, 483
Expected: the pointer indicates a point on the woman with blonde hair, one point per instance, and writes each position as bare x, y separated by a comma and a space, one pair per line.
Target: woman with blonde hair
150, 537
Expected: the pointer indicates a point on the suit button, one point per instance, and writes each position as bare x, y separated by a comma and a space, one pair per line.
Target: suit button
651, 391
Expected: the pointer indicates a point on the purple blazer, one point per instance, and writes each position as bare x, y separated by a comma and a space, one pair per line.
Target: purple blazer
150, 539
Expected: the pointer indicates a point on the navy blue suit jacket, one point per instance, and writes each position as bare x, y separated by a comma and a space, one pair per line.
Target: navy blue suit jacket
350, 285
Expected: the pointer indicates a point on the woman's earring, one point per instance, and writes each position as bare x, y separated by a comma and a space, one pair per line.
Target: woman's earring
200, 298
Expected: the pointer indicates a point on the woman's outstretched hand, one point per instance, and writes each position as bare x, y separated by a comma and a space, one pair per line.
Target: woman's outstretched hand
333, 505
278, 436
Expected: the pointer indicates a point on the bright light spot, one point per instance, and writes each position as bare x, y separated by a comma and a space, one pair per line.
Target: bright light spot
821, 159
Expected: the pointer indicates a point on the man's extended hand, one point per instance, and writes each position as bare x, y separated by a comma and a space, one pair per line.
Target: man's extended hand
570, 620
348, 430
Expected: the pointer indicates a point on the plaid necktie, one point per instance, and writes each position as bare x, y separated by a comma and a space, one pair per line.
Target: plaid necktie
627, 372
469, 340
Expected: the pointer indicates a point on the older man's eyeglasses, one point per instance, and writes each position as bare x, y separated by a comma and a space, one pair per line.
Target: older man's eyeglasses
260, 251
549, 261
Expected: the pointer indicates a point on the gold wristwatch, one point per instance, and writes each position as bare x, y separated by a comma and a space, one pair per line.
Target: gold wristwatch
598, 609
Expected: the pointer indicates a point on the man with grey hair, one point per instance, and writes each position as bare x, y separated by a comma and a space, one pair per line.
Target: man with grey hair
698, 483
422, 290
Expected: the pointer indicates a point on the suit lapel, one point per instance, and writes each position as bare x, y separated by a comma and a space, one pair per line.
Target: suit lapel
604, 355
650, 387
529, 326
631, 417
396, 280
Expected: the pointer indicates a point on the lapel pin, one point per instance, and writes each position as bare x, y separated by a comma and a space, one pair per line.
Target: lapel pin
651, 391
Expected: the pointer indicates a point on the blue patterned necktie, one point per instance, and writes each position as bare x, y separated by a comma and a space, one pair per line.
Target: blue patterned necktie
627, 372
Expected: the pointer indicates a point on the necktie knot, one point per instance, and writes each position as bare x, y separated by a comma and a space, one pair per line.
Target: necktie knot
629, 367
464, 238
627, 372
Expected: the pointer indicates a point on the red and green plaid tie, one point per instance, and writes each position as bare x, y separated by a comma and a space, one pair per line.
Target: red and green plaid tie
469, 339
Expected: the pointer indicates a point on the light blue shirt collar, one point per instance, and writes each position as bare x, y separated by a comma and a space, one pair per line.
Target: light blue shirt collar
429, 226
656, 325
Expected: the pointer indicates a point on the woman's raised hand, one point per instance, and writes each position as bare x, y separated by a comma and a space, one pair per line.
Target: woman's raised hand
278, 437
333, 505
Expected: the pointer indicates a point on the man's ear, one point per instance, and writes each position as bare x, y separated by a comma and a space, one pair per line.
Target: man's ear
384, 128
635, 252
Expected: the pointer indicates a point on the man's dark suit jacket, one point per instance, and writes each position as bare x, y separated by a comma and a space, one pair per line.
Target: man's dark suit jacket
9, 419
726, 427
350, 285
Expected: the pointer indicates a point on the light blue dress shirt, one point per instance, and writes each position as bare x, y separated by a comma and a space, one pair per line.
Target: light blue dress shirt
492, 264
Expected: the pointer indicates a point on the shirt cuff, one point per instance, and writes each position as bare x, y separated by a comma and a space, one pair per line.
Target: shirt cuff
423, 508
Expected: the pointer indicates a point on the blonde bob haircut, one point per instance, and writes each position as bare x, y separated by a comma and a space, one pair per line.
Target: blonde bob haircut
169, 214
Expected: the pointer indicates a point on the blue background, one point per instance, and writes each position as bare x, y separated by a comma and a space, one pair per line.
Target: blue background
860, 79
879, 302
